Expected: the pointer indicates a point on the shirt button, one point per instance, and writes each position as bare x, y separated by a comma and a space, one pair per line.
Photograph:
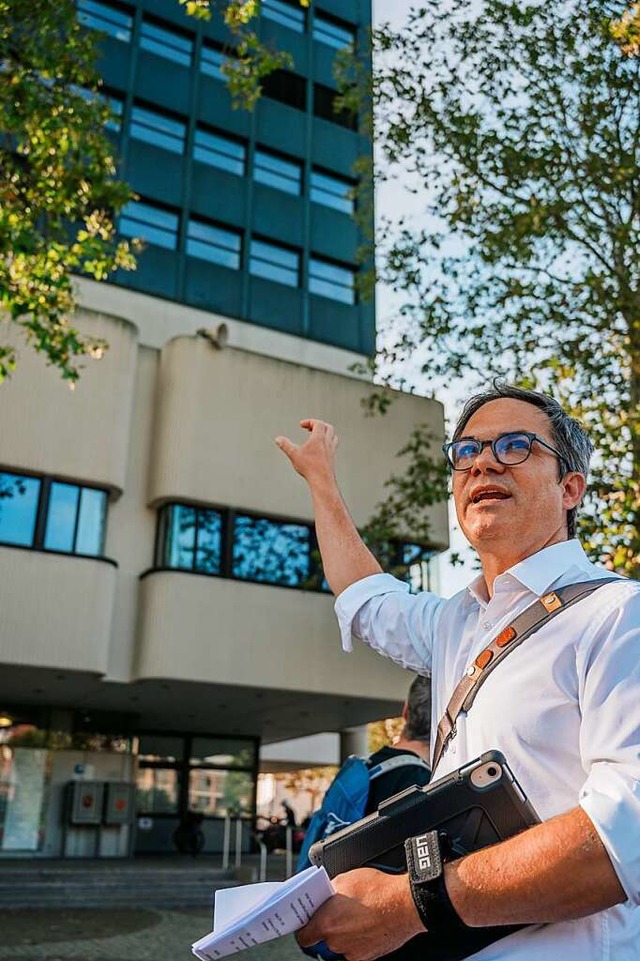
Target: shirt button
486, 625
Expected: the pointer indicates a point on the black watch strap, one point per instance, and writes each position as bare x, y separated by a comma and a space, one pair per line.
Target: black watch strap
425, 866
448, 938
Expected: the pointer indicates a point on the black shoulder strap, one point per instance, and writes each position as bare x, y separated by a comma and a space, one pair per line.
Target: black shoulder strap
523, 626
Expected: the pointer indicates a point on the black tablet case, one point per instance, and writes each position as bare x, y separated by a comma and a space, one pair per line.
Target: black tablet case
469, 817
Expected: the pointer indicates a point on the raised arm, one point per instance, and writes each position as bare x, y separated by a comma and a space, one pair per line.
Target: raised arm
345, 557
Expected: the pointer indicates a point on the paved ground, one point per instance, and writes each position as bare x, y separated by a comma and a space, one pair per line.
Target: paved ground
88, 935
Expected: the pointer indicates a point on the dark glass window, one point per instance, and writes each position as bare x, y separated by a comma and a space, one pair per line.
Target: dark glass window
330, 280
216, 150
157, 790
158, 129
290, 15
153, 224
19, 498
333, 32
332, 191
222, 752
161, 748
102, 16
208, 242
212, 60
274, 263
73, 517
275, 171
166, 43
286, 87
270, 551
324, 106
219, 793
193, 539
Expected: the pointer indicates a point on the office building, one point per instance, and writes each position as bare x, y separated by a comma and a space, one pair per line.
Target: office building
162, 606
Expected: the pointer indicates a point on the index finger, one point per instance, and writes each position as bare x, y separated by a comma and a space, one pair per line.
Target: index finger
308, 935
310, 423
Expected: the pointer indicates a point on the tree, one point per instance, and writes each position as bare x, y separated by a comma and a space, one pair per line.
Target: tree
252, 60
58, 191
59, 194
520, 123
383, 733
626, 31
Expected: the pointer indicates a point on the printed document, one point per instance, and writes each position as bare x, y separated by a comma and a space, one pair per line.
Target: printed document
254, 913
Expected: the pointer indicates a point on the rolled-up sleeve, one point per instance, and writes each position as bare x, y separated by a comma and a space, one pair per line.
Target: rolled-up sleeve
609, 676
380, 611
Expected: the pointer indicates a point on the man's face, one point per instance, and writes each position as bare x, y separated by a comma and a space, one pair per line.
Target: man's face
515, 510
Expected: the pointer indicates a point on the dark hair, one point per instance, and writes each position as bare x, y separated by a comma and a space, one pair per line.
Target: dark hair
418, 724
568, 434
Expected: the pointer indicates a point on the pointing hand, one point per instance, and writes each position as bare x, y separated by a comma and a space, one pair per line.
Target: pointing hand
315, 458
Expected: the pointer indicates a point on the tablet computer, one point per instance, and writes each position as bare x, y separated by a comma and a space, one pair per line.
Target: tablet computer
480, 804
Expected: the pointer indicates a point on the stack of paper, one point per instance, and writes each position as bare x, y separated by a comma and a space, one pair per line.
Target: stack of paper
255, 913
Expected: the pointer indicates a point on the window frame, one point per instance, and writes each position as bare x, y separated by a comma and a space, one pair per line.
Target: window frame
285, 248
180, 57
338, 179
293, 162
203, 130
213, 225
185, 765
228, 515
295, 21
144, 107
393, 553
348, 268
125, 12
323, 108
284, 80
209, 69
320, 36
38, 537
142, 202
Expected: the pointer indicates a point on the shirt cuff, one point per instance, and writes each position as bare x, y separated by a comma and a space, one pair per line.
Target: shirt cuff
349, 602
611, 799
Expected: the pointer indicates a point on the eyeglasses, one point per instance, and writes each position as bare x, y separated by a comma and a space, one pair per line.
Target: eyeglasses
508, 449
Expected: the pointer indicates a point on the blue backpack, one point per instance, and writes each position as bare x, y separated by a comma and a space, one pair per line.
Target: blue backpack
344, 803
346, 799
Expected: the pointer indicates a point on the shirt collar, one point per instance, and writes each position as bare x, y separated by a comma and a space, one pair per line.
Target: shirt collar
538, 572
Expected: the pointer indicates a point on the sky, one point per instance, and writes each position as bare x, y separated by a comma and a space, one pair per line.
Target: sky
393, 199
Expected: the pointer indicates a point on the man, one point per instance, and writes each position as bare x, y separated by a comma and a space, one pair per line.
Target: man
414, 739
390, 770
564, 707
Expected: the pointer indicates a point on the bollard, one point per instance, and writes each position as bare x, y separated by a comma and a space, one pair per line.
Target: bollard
263, 860
226, 843
289, 862
238, 861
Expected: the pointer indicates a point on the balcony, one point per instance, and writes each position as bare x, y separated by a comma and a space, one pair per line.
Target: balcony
252, 638
55, 610
82, 434
218, 412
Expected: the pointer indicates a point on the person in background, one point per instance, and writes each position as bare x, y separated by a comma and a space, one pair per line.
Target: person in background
414, 739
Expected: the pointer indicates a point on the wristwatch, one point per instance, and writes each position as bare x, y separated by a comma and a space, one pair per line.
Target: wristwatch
425, 867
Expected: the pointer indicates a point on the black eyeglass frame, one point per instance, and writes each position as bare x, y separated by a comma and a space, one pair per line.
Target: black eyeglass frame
530, 435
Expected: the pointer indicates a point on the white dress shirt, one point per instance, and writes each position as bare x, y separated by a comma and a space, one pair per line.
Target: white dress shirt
564, 709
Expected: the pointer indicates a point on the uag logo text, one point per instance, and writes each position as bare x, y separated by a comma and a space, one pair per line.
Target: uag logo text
423, 854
